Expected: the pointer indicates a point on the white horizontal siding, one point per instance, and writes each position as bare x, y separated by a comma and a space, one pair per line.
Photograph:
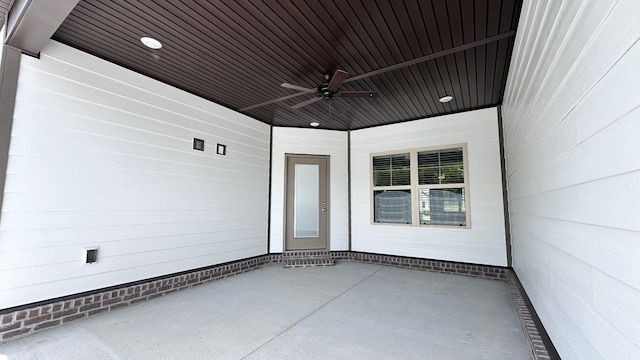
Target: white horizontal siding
484, 242
102, 156
572, 123
311, 142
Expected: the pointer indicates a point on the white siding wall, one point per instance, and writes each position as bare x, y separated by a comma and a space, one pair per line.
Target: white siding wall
102, 156
572, 125
311, 142
484, 242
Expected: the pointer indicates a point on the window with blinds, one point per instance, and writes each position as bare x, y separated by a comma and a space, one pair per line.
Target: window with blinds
392, 188
421, 187
392, 170
440, 167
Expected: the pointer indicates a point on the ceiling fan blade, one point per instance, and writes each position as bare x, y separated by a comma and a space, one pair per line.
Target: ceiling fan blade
369, 94
296, 87
338, 77
305, 103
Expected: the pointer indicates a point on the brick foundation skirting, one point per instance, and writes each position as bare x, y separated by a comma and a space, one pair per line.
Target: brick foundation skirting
539, 347
23, 321
482, 271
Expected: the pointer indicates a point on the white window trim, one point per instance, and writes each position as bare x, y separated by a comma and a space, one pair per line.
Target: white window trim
415, 187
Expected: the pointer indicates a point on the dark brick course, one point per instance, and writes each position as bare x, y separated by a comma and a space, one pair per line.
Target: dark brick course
97, 311
7, 318
64, 313
111, 301
15, 333
20, 315
13, 326
138, 300
45, 309
89, 306
37, 320
117, 306
149, 292
47, 324
74, 317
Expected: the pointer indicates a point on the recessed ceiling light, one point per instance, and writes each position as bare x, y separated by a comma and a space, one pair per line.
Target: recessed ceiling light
151, 42
446, 99
315, 124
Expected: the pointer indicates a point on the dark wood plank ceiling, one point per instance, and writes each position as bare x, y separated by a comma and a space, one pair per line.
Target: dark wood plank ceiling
238, 52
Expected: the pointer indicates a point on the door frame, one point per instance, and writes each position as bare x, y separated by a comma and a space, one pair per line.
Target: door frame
287, 156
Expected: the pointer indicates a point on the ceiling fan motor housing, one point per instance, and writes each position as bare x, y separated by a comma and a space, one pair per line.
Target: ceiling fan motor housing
324, 92
328, 90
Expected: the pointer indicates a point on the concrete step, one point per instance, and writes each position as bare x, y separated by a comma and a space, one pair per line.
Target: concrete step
307, 258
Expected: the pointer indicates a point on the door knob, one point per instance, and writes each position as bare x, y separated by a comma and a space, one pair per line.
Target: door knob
324, 209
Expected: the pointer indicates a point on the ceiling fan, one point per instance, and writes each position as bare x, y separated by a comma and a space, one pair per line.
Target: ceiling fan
329, 89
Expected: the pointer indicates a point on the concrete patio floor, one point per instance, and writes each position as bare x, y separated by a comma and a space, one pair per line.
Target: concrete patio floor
348, 311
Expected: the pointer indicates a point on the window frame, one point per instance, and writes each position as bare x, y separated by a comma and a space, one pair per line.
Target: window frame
415, 187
